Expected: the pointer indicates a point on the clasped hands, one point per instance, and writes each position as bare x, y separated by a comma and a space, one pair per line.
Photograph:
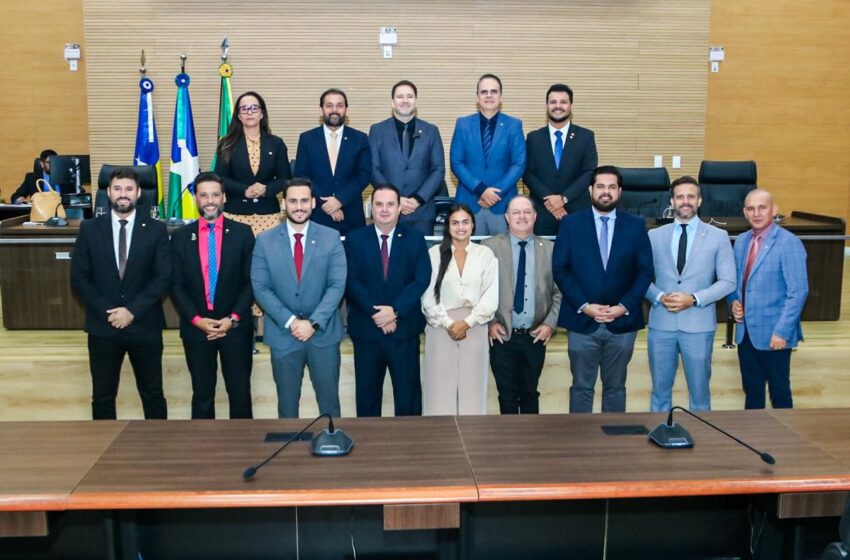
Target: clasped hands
677, 301
119, 317
255, 191
490, 197
332, 207
385, 318
603, 313
554, 203
214, 328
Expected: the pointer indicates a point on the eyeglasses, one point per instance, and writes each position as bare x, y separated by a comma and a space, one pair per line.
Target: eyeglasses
249, 109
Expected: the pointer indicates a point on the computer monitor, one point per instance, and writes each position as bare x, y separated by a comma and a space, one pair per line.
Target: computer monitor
63, 169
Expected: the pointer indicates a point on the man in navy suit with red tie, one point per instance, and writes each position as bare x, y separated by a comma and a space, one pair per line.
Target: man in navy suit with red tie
121, 269
388, 271
338, 162
212, 292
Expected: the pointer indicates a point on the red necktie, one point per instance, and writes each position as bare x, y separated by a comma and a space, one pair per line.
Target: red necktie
299, 255
385, 255
751, 260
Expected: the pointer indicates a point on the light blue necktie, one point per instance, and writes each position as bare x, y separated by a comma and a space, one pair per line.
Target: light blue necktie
603, 241
213, 262
559, 148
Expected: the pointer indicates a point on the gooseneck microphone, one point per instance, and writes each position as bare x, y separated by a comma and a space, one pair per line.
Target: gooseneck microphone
56, 220
328, 442
671, 435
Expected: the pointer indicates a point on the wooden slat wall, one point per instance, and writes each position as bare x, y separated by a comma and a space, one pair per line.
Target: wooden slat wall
638, 67
781, 98
43, 103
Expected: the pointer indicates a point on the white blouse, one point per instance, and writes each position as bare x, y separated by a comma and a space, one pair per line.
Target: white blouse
478, 288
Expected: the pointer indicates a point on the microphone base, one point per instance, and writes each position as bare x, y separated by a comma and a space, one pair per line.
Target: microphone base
671, 437
56, 222
331, 444
174, 222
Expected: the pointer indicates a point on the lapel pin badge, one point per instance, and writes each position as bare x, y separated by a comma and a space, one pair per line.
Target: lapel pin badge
271, 154
194, 237
572, 135
144, 224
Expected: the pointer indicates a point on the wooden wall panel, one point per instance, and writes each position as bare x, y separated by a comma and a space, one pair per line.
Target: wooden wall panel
780, 98
43, 103
637, 66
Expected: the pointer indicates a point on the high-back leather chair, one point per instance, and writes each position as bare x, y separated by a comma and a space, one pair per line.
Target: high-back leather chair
724, 186
645, 190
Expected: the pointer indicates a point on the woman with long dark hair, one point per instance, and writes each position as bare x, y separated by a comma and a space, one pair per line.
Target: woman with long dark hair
458, 304
254, 165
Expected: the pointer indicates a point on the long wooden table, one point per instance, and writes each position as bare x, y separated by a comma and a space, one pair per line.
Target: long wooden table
472, 486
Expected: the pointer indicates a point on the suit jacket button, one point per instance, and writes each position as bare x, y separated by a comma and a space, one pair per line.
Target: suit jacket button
679, 282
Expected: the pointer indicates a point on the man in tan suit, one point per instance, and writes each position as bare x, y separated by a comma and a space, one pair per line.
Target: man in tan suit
529, 302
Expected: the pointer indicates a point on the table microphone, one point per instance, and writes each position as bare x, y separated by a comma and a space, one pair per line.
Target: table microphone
328, 442
56, 221
673, 436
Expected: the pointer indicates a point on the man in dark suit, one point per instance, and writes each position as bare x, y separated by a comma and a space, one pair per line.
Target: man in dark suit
560, 159
121, 269
488, 158
212, 292
298, 272
408, 152
337, 160
529, 302
388, 271
29, 186
603, 265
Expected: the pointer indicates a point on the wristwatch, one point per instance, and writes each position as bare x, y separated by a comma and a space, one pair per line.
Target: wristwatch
564, 197
234, 321
316, 326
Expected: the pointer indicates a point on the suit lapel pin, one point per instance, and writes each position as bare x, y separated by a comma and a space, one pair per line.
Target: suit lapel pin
345, 137
312, 242
271, 154
144, 224
398, 235
226, 230
572, 135
194, 237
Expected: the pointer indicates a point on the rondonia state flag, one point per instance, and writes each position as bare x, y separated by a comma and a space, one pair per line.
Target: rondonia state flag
147, 143
185, 164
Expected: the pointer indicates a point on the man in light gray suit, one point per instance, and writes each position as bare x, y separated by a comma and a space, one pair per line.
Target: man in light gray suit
529, 302
694, 267
298, 272
408, 152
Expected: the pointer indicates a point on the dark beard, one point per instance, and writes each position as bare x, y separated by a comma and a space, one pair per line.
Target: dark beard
129, 208
559, 120
604, 207
327, 119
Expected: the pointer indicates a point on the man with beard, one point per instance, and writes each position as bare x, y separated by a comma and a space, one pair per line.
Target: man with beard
694, 268
298, 273
528, 309
408, 152
488, 158
561, 157
212, 292
337, 160
121, 269
388, 271
603, 265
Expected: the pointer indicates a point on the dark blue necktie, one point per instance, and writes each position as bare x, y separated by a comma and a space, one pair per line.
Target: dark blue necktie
519, 290
405, 141
559, 148
487, 139
213, 262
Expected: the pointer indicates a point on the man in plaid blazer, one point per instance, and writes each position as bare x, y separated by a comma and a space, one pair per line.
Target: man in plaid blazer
772, 286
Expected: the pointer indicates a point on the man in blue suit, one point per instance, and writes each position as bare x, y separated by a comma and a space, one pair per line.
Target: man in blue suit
602, 264
694, 268
337, 160
488, 158
298, 274
388, 271
771, 291
408, 152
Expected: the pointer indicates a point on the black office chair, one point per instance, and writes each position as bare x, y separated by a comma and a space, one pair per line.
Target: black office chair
443, 203
724, 186
840, 550
147, 182
646, 190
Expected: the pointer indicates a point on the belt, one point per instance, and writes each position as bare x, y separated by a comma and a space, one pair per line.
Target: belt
521, 332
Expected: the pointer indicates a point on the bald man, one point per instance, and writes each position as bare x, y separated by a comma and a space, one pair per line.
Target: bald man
772, 287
